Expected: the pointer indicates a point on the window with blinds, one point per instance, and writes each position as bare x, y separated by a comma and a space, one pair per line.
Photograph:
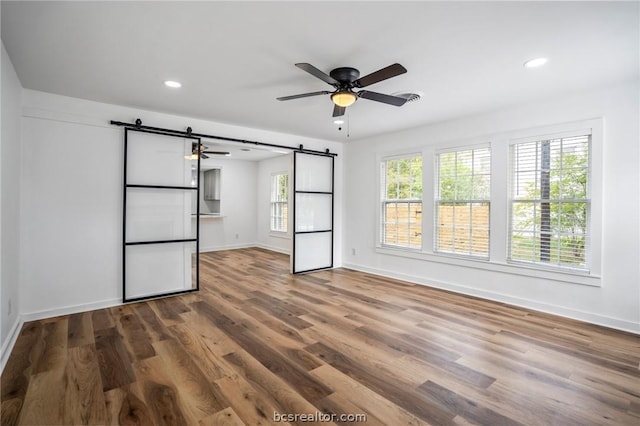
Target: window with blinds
402, 202
550, 202
279, 202
463, 202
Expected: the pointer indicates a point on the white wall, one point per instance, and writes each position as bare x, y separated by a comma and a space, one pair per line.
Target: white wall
266, 168
10, 152
71, 206
71, 215
237, 225
616, 302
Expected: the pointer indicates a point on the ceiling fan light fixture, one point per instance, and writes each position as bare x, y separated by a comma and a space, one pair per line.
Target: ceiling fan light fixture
344, 98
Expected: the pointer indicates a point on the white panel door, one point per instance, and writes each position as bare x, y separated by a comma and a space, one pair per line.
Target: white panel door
312, 212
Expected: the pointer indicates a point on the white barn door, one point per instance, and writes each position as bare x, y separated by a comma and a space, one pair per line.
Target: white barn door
313, 185
160, 225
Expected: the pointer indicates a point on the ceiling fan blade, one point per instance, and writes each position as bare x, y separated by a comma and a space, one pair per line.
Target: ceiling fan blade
216, 153
317, 73
381, 97
382, 74
338, 111
203, 157
303, 95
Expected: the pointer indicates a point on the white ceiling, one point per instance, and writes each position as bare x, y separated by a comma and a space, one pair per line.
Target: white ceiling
235, 58
237, 151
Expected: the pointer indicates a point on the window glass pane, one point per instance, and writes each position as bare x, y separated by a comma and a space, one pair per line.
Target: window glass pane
523, 216
402, 202
314, 173
159, 160
153, 214
551, 227
481, 189
279, 202
524, 185
155, 269
462, 202
313, 251
313, 212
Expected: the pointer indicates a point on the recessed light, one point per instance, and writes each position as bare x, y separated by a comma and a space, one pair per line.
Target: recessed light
172, 84
537, 62
338, 121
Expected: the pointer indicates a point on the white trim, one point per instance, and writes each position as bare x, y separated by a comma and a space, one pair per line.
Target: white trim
567, 276
273, 248
588, 317
10, 341
244, 246
280, 234
399, 154
450, 147
71, 309
381, 194
228, 247
546, 135
65, 117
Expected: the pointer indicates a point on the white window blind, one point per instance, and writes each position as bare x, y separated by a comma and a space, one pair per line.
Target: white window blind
402, 202
279, 202
550, 202
463, 202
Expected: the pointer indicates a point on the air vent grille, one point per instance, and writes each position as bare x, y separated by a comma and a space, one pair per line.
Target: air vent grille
409, 96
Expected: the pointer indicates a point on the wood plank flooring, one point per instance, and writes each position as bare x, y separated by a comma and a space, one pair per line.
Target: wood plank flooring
256, 343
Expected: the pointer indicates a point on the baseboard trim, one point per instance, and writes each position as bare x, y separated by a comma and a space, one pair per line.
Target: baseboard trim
10, 341
227, 247
71, 309
591, 318
272, 248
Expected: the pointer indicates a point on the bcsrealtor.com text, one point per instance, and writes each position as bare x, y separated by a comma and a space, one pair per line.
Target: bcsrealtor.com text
319, 417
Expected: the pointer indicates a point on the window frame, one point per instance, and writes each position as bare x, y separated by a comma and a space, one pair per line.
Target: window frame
499, 143
437, 200
272, 203
560, 200
383, 200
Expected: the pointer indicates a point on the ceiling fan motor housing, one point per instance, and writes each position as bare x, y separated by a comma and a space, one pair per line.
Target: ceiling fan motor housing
345, 75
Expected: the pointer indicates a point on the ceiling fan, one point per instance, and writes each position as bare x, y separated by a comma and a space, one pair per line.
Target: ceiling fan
203, 152
345, 80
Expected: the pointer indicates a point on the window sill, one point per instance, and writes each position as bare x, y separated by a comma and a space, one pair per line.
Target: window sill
569, 276
279, 234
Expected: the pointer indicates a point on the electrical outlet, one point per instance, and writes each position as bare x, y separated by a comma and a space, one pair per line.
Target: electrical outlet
353, 252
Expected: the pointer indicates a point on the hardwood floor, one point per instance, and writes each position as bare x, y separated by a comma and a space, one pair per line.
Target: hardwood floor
257, 341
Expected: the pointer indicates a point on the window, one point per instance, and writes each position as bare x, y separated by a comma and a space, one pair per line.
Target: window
550, 202
462, 202
279, 203
402, 202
